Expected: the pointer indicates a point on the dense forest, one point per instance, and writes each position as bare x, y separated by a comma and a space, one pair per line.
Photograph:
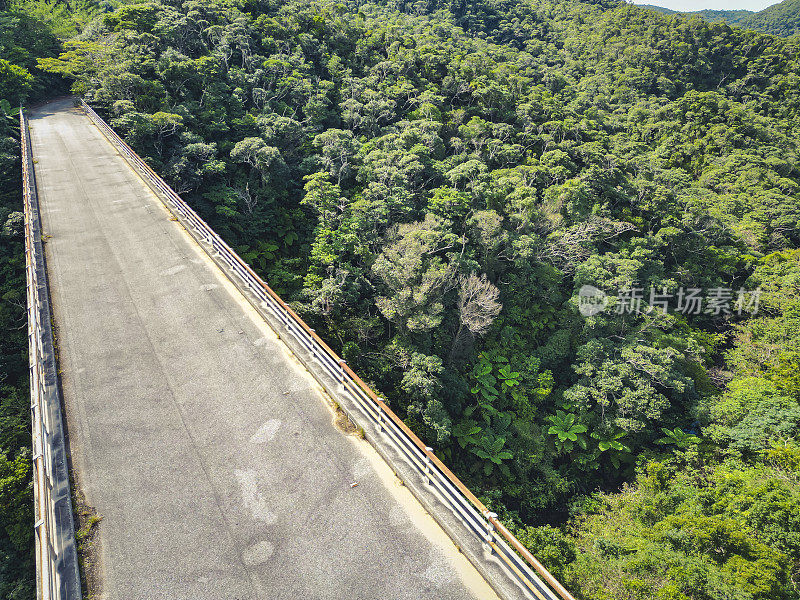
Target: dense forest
779, 19
16, 488
27, 32
435, 185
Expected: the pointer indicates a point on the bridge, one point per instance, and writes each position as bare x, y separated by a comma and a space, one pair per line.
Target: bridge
228, 452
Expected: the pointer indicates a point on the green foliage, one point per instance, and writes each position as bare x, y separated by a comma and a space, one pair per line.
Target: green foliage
768, 346
61, 19
16, 493
15, 81
729, 532
137, 17
414, 275
486, 426
550, 546
369, 159
16, 538
567, 431
779, 19
485, 444
609, 444
678, 438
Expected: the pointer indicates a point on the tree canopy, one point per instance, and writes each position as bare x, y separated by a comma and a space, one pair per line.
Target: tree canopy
434, 184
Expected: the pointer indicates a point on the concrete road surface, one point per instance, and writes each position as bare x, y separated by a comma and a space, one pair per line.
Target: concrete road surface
209, 452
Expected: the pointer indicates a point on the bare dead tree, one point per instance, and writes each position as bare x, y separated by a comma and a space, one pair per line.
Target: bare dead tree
477, 303
575, 244
478, 307
247, 198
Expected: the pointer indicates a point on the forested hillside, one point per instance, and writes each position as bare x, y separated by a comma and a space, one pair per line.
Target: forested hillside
432, 184
779, 19
731, 17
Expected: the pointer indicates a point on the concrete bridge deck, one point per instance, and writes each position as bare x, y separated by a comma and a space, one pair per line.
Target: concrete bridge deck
207, 449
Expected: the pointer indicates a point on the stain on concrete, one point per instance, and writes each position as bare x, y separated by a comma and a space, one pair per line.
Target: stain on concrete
266, 432
252, 499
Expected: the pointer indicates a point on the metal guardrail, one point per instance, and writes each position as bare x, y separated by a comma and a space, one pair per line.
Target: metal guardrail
519, 562
57, 575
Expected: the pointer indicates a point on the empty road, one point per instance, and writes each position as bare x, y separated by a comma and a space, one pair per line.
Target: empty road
208, 451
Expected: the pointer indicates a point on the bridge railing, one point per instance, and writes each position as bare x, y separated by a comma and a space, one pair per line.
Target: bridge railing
519, 562
57, 575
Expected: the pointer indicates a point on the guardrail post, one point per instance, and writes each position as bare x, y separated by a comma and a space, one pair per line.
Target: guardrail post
342, 363
313, 344
489, 529
428, 451
380, 416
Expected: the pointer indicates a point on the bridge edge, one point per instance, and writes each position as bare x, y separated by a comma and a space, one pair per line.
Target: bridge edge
302, 344
57, 566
